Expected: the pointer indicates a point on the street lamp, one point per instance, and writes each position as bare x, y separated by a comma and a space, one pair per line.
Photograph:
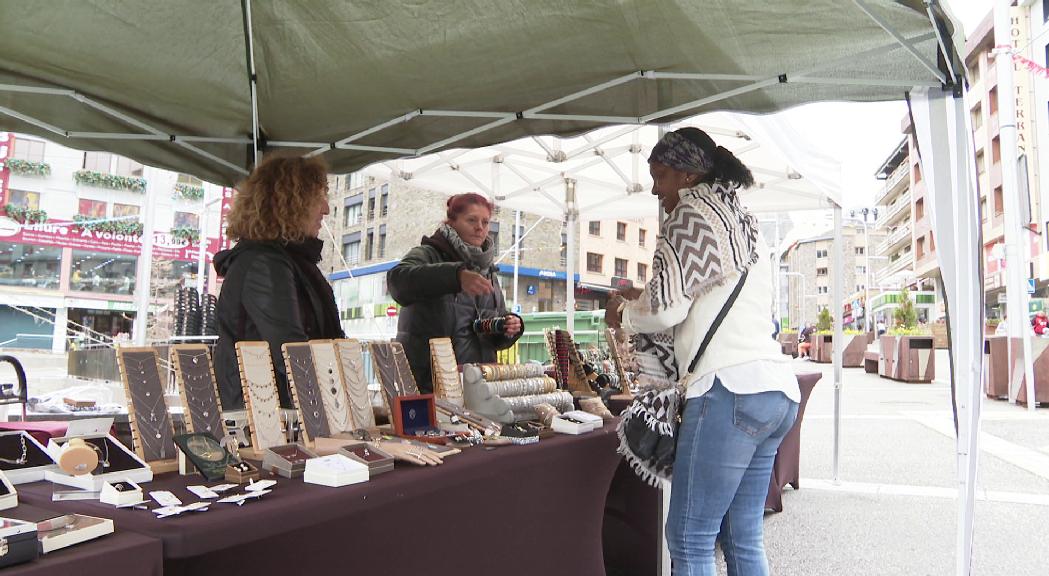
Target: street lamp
801, 300
873, 212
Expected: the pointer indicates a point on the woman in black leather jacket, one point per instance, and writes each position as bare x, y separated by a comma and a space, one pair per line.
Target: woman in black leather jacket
272, 288
445, 284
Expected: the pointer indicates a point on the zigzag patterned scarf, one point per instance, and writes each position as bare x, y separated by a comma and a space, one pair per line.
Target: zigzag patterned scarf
707, 240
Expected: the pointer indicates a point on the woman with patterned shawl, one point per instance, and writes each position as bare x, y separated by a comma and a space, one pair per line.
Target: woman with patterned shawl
740, 396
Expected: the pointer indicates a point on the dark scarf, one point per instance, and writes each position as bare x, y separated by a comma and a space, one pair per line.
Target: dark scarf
306, 255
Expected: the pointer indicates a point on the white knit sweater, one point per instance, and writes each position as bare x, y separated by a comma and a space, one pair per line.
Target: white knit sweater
744, 337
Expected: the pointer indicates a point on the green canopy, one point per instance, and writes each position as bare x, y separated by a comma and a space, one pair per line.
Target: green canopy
168, 82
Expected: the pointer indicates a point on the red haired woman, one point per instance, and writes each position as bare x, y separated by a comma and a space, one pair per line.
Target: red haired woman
448, 282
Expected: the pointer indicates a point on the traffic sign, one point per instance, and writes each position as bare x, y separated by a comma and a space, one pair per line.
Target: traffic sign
391, 311
1030, 285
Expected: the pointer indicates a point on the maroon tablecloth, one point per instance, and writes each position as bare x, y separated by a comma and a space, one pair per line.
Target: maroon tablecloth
511, 510
787, 467
122, 553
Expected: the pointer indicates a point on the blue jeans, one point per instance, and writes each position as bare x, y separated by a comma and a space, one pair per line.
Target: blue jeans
726, 446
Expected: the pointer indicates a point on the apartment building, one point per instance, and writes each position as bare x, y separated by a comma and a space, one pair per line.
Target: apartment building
71, 226
374, 222
614, 253
807, 272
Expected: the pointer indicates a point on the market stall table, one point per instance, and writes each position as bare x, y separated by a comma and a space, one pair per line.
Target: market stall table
122, 553
511, 510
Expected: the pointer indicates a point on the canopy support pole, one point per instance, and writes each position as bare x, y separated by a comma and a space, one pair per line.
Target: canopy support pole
838, 344
249, 43
571, 215
902, 41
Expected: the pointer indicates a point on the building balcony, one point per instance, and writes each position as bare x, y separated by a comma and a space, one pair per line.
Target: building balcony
904, 262
896, 211
892, 184
900, 236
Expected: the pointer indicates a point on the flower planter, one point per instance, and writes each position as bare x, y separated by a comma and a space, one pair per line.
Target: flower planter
999, 358
852, 356
907, 359
996, 384
788, 342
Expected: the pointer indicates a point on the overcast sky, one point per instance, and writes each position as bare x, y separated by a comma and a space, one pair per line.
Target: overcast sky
863, 135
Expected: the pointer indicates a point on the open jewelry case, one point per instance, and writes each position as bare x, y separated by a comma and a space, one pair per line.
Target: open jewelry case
115, 462
8, 494
23, 459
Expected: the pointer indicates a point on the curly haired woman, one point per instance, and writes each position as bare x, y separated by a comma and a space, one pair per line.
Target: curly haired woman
273, 289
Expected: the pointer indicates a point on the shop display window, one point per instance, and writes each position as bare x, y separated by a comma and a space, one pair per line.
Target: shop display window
30, 266
103, 272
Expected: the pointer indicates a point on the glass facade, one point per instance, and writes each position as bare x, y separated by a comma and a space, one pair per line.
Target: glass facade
103, 272
30, 266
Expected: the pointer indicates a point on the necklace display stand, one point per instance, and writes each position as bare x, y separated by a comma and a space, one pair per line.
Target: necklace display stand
198, 388
305, 391
333, 390
261, 400
447, 382
351, 359
152, 431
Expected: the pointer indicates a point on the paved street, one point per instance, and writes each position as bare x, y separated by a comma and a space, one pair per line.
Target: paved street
895, 510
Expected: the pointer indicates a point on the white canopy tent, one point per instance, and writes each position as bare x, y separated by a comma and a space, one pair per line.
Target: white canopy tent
206, 90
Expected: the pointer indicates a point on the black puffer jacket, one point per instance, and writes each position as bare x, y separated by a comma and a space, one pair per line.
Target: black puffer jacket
272, 292
426, 284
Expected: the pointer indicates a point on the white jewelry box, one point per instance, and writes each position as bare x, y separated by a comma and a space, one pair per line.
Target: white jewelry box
576, 422
37, 459
335, 470
124, 465
120, 492
8, 494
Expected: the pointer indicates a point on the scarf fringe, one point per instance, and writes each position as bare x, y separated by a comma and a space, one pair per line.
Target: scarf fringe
638, 465
654, 424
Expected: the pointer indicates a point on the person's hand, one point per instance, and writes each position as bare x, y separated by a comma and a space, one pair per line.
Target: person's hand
512, 326
408, 452
473, 283
612, 317
632, 293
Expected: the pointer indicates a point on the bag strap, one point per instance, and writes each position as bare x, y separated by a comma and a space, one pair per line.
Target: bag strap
718, 320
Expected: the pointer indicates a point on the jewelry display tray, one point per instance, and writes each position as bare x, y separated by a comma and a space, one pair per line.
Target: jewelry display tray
35, 453
127, 465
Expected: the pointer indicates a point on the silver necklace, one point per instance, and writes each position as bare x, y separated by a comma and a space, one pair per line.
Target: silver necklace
23, 458
154, 423
199, 389
103, 459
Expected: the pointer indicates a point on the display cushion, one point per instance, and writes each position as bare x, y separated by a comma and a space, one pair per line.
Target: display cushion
206, 453
414, 415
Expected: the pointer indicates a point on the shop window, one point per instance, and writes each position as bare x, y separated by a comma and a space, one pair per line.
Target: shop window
28, 266
186, 220
103, 272
28, 200
126, 210
92, 208
594, 262
98, 161
28, 150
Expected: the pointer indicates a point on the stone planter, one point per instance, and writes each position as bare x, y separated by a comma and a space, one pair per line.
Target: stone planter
907, 358
1040, 352
852, 357
997, 383
822, 348
789, 344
